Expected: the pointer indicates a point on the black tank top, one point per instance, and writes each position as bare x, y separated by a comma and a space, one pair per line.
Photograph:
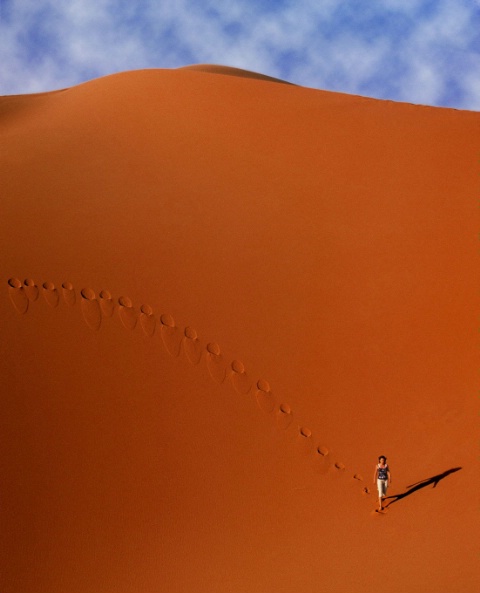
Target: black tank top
382, 472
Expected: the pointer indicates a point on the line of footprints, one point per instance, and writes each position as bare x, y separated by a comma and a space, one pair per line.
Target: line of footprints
95, 309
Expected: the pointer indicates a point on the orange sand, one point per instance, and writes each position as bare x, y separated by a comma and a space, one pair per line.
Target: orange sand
321, 249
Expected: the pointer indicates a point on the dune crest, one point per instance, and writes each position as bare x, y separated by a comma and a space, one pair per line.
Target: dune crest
231, 71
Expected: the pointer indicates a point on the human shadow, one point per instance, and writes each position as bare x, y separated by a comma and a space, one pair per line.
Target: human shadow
419, 485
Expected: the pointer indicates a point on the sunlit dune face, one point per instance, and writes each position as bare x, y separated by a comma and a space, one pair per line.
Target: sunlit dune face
283, 265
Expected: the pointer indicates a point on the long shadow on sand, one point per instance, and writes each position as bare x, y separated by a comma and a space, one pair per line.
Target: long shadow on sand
422, 484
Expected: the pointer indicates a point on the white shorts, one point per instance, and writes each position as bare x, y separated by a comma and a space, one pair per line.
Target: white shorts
382, 487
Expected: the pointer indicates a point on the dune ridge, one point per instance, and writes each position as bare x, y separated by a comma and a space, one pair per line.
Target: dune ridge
230, 71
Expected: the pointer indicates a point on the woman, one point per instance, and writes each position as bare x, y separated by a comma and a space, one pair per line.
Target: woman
382, 478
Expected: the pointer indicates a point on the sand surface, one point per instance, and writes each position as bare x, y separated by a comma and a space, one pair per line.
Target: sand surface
222, 298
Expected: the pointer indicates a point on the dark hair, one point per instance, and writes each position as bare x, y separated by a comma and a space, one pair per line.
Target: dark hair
382, 457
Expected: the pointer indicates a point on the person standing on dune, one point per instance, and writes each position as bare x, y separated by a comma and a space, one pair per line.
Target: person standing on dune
382, 478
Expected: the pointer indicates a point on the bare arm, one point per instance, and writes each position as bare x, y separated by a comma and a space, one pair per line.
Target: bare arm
389, 477
375, 475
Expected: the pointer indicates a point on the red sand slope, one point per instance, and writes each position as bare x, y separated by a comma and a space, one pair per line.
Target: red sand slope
321, 250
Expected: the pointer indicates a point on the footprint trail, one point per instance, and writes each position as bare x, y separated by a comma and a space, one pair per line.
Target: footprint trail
175, 341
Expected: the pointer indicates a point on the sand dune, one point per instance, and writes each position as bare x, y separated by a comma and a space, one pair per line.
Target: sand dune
222, 300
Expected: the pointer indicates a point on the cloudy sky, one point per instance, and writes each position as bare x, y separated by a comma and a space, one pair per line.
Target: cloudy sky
419, 51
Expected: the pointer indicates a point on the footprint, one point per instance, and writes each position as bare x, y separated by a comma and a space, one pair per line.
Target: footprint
339, 469
90, 309
215, 362
284, 416
31, 289
192, 346
17, 295
358, 477
107, 306
147, 320
322, 460
127, 313
264, 397
50, 294
68, 293
171, 335
304, 441
240, 380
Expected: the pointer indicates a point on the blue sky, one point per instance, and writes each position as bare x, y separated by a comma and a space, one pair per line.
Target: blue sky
419, 51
